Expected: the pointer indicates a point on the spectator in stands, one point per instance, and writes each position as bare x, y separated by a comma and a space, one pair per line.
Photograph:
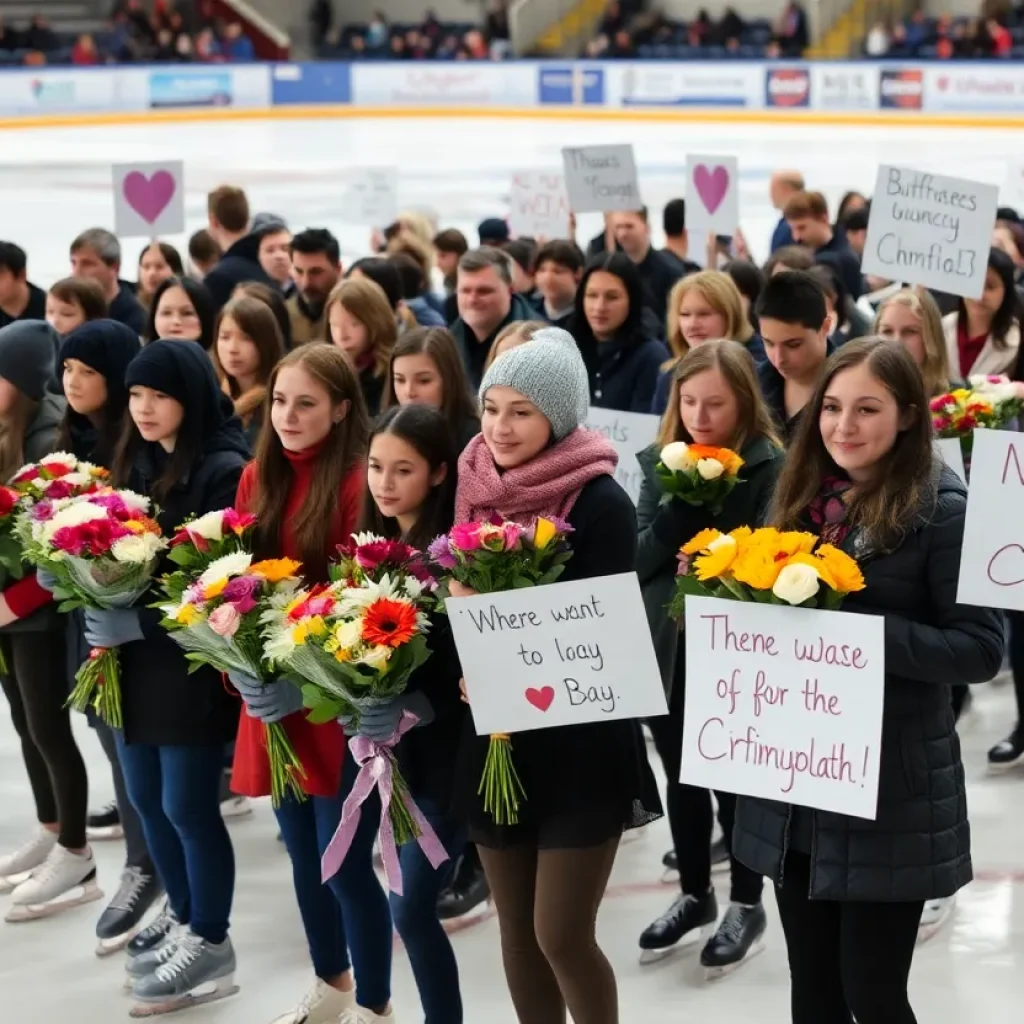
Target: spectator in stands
321, 21
84, 52
677, 244
793, 33
876, 42
96, 254
622, 45
19, 298
316, 269
40, 36
8, 37
228, 215
848, 322
1000, 40
781, 188
807, 216
377, 32
658, 274
203, 252
559, 267
497, 22
208, 46
274, 252
614, 20
237, 45
731, 27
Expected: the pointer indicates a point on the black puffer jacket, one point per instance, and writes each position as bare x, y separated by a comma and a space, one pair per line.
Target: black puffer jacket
918, 847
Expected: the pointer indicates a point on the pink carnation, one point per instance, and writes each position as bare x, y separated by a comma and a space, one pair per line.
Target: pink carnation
225, 620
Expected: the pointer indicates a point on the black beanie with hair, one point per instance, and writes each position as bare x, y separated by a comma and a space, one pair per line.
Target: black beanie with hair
107, 347
28, 354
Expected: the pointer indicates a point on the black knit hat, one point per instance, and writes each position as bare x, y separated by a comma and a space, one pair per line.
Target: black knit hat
28, 354
107, 347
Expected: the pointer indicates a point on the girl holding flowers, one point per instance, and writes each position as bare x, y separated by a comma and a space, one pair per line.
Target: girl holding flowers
582, 785
715, 401
184, 449
861, 475
305, 488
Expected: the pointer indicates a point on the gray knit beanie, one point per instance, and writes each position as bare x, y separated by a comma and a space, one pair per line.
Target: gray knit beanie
549, 371
28, 354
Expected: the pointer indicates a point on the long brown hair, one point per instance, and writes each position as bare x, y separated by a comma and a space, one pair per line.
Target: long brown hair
12, 434
343, 450
734, 362
257, 322
365, 300
919, 301
887, 507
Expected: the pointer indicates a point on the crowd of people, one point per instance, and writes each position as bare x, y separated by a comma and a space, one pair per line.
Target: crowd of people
996, 32
435, 382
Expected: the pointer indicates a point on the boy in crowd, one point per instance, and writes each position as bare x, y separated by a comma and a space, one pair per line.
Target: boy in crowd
557, 274
808, 219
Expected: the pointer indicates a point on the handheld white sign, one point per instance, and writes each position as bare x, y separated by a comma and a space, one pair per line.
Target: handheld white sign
561, 654
149, 199
539, 205
930, 229
784, 704
601, 179
712, 196
952, 454
372, 196
630, 433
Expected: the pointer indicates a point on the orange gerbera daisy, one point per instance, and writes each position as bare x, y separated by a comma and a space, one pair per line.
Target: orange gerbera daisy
388, 623
274, 570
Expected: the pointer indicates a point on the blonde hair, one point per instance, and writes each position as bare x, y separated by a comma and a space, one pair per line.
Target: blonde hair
736, 365
519, 331
719, 291
935, 370
365, 300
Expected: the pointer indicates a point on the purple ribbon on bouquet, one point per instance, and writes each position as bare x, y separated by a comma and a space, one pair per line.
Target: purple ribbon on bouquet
376, 771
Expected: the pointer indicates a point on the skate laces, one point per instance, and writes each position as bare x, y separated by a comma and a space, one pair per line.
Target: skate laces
47, 871
162, 924
731, 927
674, 912
133, 881
187, 951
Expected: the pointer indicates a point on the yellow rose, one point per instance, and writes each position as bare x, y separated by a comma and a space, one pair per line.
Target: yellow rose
544, 533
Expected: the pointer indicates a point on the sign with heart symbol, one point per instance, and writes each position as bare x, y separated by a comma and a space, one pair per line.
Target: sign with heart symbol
149, 199
712, 197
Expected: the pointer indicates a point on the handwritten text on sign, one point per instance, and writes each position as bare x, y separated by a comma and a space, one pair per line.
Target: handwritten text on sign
372, 196
931, 230
539, 205
784, 704
561, 654
630, 433
992, 554
601, 179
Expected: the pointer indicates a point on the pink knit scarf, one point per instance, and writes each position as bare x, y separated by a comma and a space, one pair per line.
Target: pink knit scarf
547, 485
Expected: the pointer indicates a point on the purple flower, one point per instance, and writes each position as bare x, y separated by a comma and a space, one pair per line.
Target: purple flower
242, 587
441, 553
42, 512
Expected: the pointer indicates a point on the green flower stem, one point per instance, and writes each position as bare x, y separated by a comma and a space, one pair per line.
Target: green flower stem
285, 767
402, 822
98, 685
500, 785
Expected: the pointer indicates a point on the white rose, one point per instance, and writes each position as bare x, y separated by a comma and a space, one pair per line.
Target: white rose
376, 657
796, 583
349, 634
209, 527
225, 567
710, 469
676, 457
137, 549
59, 459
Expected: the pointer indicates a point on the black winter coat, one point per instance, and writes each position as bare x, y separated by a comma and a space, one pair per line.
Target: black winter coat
238, 265
918, 847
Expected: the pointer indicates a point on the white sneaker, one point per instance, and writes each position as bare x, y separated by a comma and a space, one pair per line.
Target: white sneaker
361, 1015
935, 914
235, 807
323, 1005
26, 858
60, 874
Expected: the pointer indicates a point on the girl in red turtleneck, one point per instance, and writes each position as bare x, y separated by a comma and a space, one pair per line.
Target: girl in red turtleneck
305, 488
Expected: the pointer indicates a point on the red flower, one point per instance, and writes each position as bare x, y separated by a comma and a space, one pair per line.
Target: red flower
383, 552
389, 623
58, 489
26, 476
93, 538
8, 500
315, 603
55, 470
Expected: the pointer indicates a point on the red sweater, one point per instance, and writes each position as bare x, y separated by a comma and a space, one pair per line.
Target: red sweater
320, 748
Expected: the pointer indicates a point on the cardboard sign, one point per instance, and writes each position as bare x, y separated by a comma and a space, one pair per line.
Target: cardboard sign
712, 196
372, 196
601, 179
931, 230
952, 454
149, 199
784, 704
630, 433
539, 205
992, 554
561, 654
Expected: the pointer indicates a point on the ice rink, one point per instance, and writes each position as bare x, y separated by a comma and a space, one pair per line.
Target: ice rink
56, 182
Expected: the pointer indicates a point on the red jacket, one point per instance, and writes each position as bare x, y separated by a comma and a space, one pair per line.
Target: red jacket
320, 748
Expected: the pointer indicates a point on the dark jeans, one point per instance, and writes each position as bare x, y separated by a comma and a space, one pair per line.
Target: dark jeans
37, 691
691, 818
355, 918
430, 951
1016, 653
176, 791
847, 961
136, 850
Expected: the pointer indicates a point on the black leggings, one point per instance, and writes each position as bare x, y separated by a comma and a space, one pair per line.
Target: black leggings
847, 961
1016, 652
37, 689
691, 818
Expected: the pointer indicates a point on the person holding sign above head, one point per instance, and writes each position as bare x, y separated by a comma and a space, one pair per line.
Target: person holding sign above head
583, 784
714, 401
861, 475
912, 318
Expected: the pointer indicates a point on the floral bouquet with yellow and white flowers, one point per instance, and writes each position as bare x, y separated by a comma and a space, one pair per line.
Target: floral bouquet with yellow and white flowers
103, 549
768, 566
697, 474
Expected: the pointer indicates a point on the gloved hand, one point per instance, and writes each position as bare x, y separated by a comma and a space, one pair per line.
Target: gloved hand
46, 580
112, 628
379, 723
269, 702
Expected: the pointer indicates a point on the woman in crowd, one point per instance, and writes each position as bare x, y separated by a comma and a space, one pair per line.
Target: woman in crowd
249, 346
181, 310
715, 400
383, 273
72, 302
851, 890
157, 262
275, 301
519, 332
183, 448
413, 277
584, 785
749, 280
618, 343
361, 324
912, 318
305, 487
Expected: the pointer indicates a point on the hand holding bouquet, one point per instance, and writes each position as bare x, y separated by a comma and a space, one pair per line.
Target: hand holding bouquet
766, 565
103, 549
697, 474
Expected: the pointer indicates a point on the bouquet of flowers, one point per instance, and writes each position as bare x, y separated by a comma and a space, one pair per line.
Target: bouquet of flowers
990, 402
489, 557
368, 558
58, 476
697, 474
768, 566
103, 549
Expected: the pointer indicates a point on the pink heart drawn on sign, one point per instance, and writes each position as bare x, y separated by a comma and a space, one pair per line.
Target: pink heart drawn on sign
149, 197
541, 699
712, 186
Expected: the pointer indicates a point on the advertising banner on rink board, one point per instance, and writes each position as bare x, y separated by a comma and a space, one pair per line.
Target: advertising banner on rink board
560, 654
931, 230
784, 704
992, 554
630, 433
443, 83
994, 86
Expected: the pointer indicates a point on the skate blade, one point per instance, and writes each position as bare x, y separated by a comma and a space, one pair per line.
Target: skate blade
20, 912
1003, 769
688, 943
721, 868
108, 947
928, 932
104, 835
11, 882
714, 973
670, 876
223, 988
